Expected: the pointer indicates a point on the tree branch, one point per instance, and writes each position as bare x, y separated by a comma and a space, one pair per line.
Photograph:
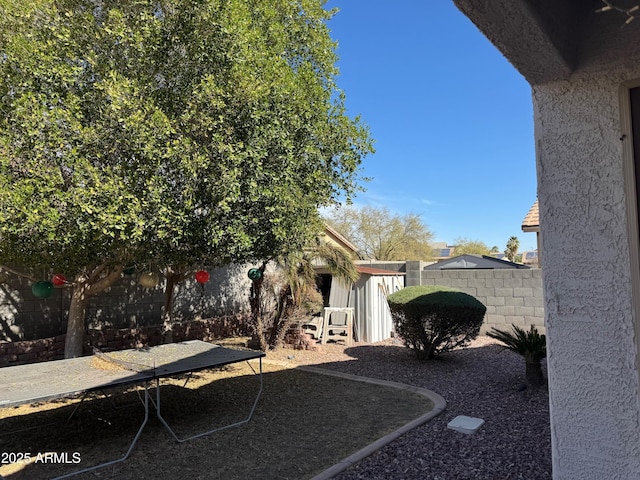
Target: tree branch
105, 282
19, 273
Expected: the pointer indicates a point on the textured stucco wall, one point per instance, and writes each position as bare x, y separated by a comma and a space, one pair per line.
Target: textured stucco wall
587, 275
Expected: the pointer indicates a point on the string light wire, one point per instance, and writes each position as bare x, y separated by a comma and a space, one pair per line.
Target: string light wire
629, 12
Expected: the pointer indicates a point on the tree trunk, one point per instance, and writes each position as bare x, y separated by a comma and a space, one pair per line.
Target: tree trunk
173, 278
279, 330
85, 286
258, 337
74, 342
533, 372
281, 320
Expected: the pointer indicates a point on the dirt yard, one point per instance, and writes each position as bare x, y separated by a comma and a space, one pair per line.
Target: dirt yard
303, 424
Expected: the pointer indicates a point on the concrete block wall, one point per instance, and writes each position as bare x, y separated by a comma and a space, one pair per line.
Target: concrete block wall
110, 339
511, 296
126, 305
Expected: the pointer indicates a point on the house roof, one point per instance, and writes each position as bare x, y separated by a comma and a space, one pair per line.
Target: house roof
471, 261
377, 271
547, 41
531, 222
339, 239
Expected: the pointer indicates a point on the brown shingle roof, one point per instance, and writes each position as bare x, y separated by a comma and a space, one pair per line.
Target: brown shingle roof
377, 271
531, 222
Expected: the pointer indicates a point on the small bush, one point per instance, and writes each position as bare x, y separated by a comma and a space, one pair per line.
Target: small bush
432, 319
531, 345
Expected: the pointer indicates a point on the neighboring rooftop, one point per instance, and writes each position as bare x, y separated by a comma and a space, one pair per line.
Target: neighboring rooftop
377, 271
531, 222
340, 240
468, 260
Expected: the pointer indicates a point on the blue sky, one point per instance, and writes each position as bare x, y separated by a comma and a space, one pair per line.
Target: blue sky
452, 119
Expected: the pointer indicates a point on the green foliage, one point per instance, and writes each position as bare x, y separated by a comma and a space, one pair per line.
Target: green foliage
474, 247
531, 345
380, 235
511, 252
175, 133
433, 319
178, 131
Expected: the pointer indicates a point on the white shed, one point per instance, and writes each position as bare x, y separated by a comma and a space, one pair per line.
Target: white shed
368, 297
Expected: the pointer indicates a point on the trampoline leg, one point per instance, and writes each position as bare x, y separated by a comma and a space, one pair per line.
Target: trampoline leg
209, 432
77, 406
129, 450
84, 397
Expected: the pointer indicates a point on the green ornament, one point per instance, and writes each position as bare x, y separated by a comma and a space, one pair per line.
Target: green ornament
130, 270
42, 289
255, 274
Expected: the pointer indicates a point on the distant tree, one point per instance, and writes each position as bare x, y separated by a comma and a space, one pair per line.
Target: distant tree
467, 246
170, 135
511, 252
494, 250
380, 235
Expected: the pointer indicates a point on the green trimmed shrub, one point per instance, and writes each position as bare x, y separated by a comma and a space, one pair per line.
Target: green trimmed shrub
432, 319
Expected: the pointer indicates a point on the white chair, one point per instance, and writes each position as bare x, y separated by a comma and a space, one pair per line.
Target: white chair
314, 326
336, 328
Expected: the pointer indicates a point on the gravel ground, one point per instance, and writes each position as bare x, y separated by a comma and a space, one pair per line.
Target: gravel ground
484, 381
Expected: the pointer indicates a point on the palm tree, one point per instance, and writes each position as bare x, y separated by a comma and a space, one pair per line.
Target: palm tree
294, 290
512, 248
531, 345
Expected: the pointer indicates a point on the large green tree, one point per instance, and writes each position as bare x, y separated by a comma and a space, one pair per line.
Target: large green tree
381, 235
169, 133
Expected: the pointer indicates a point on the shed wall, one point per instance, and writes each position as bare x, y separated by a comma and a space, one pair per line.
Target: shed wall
373, 321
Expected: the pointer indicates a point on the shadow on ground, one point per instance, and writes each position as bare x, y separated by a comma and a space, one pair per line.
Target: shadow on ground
303, 424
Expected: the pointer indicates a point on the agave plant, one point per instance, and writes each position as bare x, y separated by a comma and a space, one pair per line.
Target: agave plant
531, 345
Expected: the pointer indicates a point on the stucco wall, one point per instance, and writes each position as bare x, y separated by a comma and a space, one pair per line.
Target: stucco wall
125, 305
590, 326
588, 274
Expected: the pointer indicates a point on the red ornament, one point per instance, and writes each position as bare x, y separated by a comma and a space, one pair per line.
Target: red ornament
58, 280
202, 276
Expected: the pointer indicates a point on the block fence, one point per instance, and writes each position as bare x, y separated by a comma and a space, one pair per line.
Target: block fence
512, 296
125, 305
110, 339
